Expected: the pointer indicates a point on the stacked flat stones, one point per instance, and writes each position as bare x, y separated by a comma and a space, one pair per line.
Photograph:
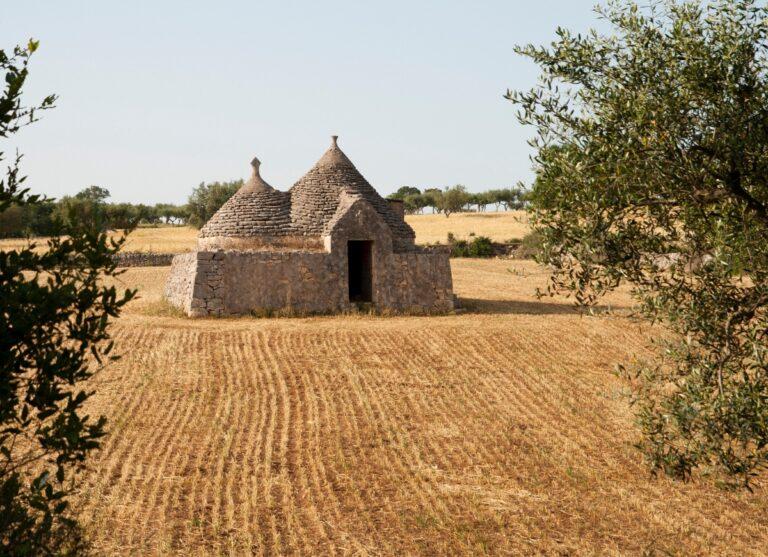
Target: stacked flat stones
315, 197
257, 209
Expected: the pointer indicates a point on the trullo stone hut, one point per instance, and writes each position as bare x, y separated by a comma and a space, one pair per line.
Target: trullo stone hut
329, 243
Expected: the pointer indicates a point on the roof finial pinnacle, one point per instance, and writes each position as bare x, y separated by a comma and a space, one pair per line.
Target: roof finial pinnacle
255, 163
334, 139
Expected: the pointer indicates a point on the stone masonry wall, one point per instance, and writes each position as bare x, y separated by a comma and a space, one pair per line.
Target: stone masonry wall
143, 259
181, 281
417, 282
302, 282
235, 283
209, 289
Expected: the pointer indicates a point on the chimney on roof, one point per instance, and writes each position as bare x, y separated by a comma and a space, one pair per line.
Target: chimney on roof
398, 207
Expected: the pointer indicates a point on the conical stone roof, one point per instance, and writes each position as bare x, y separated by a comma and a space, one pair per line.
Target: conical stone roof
259, 216
315, 197
256, 209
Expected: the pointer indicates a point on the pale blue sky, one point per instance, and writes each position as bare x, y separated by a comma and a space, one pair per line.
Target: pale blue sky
157, 96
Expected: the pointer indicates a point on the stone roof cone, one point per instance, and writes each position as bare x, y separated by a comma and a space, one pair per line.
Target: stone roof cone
334, 155
315, 197
260, 213
256, 209
256, 182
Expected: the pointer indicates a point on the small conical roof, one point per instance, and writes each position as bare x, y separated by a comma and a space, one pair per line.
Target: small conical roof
256, 209
256, 182
334, 155
315, 197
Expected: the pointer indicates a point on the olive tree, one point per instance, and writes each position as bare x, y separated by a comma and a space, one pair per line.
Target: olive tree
54, 315
652, 169
452, 200
206, 199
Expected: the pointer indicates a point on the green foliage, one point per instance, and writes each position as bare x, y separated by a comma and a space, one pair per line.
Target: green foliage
452, 200
432, 197
481, 246
172, 214
457, 199
121, 216
508, 198
414, 203
480, 200
530, 246
206, 199
46, 217
404, 192
459, 248
478, 246
94, 194
53, 333
85, 207
411, 197
652, 169
28, 220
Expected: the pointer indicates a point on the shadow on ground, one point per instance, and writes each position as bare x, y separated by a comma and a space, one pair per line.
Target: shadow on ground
518, 307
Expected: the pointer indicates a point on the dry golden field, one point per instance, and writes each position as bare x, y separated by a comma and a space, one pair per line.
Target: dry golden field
165, 239
500, 227
429, 229
500, 430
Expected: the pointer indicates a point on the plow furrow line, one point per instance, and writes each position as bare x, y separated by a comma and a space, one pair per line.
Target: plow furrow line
449, 453
346, 413
312, 390
299, 467
160, 454
286, 528
390, 432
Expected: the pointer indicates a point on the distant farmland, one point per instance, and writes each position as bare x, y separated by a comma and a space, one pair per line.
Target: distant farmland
500, 430
429, 229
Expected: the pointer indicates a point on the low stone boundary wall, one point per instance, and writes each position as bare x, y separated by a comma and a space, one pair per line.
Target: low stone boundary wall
505, 249
143, 259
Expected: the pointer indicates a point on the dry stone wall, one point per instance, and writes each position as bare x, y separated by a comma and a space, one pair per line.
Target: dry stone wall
417, 282
236, 282
208, 290
142, 259
219, 283
180, 285
300, 282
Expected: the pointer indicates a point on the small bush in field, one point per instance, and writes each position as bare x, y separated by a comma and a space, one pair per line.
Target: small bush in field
459, 248
479, 246
530, 247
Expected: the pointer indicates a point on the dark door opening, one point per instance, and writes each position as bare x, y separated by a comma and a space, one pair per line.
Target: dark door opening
359, 259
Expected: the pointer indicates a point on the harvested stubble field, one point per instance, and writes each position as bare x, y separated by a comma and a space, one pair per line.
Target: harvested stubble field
430, 229
500, 430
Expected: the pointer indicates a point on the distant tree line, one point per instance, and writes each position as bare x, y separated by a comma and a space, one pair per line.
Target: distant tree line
88, 206
207, 198
91, 205
457, 198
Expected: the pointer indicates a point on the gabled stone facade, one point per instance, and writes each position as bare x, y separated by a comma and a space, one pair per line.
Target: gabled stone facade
328, 244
